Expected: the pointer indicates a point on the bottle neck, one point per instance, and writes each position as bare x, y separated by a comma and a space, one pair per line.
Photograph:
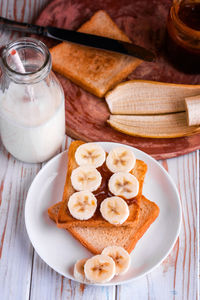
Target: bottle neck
26, 61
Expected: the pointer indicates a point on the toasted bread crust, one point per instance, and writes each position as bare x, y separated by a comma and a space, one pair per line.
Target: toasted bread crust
102, 29
65, 220
145, 224
149, 211
94, 70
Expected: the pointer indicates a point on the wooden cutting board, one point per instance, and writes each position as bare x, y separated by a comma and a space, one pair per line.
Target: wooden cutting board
144, 22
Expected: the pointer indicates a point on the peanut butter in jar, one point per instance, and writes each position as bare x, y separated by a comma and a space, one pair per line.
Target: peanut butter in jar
183, 35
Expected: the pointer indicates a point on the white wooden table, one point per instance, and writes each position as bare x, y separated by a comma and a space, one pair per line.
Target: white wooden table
23, 275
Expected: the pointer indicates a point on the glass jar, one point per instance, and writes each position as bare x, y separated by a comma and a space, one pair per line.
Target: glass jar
32, 110
183, 35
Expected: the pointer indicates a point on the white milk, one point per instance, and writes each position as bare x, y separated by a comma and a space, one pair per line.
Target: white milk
32, 131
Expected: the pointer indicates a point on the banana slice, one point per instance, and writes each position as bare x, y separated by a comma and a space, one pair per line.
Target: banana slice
90, 154
85, 178
114, 210
99, 269
79, 273
82, 205
120, 159
120, 256
123, 184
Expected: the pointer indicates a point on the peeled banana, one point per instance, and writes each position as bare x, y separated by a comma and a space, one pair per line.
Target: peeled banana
99, 268
82, 205
86, 178
120, 159
123, 184
114, 210
114, 260
120, 256
192, 105
79, 273
90, 154
157, 126
148, 97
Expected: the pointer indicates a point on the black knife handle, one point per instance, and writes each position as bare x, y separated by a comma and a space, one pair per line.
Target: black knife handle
21, 27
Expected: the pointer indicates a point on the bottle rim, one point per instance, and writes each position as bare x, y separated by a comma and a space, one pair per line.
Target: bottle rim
28, 76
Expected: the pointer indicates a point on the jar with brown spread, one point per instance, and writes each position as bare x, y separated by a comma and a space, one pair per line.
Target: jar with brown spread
183, 35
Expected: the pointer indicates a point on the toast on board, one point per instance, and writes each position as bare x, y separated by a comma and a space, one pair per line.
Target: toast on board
96, 71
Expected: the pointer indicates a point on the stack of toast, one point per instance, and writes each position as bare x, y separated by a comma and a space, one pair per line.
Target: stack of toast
96, 233
97, 71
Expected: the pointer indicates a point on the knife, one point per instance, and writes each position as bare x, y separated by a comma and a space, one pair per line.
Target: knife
76, 37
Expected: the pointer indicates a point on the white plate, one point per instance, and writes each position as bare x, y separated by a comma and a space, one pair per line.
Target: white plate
60, 250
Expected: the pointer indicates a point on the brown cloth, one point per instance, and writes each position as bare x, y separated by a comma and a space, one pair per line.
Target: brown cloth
144, 22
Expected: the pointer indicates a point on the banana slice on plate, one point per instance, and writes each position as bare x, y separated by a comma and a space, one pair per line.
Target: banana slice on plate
82, 205
79, 273
99, 268
123, 184
90, 154
114, 210
120, 159
120, 256
86, 178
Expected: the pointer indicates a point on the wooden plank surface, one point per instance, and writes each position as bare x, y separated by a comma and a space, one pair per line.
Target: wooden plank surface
16, 251
23, 275
176, 277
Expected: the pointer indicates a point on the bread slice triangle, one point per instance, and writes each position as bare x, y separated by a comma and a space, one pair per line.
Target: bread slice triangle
96, 71
96, 239
65, 220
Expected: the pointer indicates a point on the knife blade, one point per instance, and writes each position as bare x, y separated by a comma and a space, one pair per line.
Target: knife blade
76, 37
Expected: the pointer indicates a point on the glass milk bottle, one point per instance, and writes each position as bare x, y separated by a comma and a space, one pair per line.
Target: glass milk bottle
32, 112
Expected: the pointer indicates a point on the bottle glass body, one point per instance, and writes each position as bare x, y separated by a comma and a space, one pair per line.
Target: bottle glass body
32, 112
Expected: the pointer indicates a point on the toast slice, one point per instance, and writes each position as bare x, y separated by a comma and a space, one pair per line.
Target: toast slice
96, 239
65, 220
96, 71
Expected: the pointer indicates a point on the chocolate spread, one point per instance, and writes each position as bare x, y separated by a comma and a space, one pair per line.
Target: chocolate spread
103, 192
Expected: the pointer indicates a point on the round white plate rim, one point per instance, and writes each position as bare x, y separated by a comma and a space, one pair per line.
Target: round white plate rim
110, 144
